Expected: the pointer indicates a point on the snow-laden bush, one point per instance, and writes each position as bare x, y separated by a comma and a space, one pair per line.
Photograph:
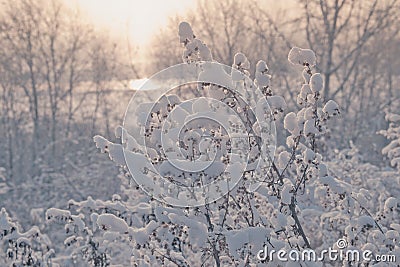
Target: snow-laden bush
287, 198
231, 230
30, 248
392, 150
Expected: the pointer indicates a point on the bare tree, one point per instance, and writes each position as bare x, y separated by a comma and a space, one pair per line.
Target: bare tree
228, 26
57, 79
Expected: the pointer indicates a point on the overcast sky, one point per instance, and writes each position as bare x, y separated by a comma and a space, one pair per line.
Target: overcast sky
140, 19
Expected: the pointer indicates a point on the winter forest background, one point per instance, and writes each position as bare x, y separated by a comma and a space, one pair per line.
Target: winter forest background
64, 81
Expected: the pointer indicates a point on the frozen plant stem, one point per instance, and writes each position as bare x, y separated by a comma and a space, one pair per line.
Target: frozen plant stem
293, 213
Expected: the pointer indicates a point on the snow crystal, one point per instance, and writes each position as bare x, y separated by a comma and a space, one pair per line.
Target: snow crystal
316, 82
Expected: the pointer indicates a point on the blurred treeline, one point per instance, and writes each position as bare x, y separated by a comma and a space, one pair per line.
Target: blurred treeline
357, 44
58, 81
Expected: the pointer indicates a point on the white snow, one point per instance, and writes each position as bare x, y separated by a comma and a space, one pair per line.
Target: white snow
323, 170
308, 113
277, 102
390, 203
261, 67
283, 159
392, 117
365, 221
308, 155
111, 222
331, 108
262, 79
305, 90
116, 154
309, 128
301, 56
237, 239
58, 215
241, 60
115, 151
5, 224
316, 82
286, 196
101, 143
290, 123
185, 32
214, 73
197, 230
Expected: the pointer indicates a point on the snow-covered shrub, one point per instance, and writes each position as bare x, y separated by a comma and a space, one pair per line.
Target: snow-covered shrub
232, 229
392, 150
30, 248
257, 196
369, 210
91, 237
